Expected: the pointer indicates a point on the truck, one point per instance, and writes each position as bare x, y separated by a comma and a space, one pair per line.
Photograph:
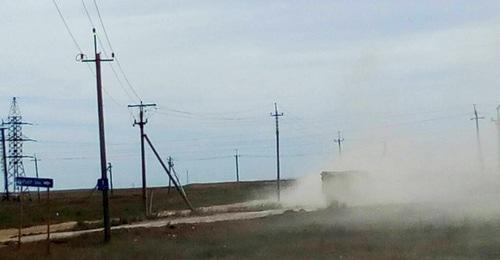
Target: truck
341, 188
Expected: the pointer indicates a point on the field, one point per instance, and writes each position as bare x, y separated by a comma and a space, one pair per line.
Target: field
391, 231
126, 204
325, 234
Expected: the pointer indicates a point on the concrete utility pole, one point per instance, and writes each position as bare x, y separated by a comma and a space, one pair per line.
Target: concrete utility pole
141, 124
276, 115
4, 164
478, 139
339, 141
497, 123
170, 163
187, 177
236, 157
171, 174
35, 160
102, 140
110, 170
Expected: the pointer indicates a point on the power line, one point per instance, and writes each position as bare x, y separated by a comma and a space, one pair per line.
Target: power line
66, 25
88, 14
102, 24
89, 17
126, 78
75, 42
207, 158
112, 50
192, 115
119, 81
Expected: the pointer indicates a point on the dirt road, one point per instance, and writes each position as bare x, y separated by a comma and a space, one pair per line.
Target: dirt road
219, 213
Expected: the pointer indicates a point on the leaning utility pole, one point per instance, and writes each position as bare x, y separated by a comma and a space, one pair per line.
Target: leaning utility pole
171, 174
4, 165
276, 115
497, 123
339, 141
236, 157
102, 141
478, 139
141, 124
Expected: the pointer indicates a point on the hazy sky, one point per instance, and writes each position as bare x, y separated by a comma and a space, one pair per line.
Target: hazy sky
380, 71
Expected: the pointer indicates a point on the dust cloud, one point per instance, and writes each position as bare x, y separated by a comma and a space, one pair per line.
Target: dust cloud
439, 180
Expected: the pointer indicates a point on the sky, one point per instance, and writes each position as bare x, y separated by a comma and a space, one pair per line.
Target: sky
382, 72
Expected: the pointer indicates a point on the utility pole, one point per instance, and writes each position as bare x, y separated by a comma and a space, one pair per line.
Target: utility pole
110, 170
4, 165
171, 174
276, 115
478, 139
102, 140
170, 163
339, 141
187, 177
236, 157
141, 124
35, 159
497, 123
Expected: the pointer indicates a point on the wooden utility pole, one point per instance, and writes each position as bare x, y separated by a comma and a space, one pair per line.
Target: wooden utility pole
142, 122
276, 115
102, 140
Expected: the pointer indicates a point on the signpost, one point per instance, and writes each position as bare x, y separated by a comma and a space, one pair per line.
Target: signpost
39, 183
102, 184
34, 182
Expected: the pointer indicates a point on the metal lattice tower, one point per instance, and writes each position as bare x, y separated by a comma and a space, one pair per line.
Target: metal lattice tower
15, 138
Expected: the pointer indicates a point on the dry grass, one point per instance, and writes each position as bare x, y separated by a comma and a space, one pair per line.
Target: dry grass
315, 235
126, 204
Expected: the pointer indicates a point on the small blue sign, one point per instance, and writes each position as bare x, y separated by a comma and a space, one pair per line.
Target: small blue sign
34, 182
102, 184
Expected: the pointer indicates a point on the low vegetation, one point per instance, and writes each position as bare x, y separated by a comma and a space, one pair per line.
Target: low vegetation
126, 204
293, 235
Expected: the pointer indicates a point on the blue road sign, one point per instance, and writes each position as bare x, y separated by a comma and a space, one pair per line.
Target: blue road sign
102, 184
34, 182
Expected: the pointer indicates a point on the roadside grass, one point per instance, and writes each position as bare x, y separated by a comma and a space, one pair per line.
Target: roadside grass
289, 236
126, 204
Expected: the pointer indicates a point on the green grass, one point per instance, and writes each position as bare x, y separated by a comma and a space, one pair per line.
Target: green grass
126, 204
